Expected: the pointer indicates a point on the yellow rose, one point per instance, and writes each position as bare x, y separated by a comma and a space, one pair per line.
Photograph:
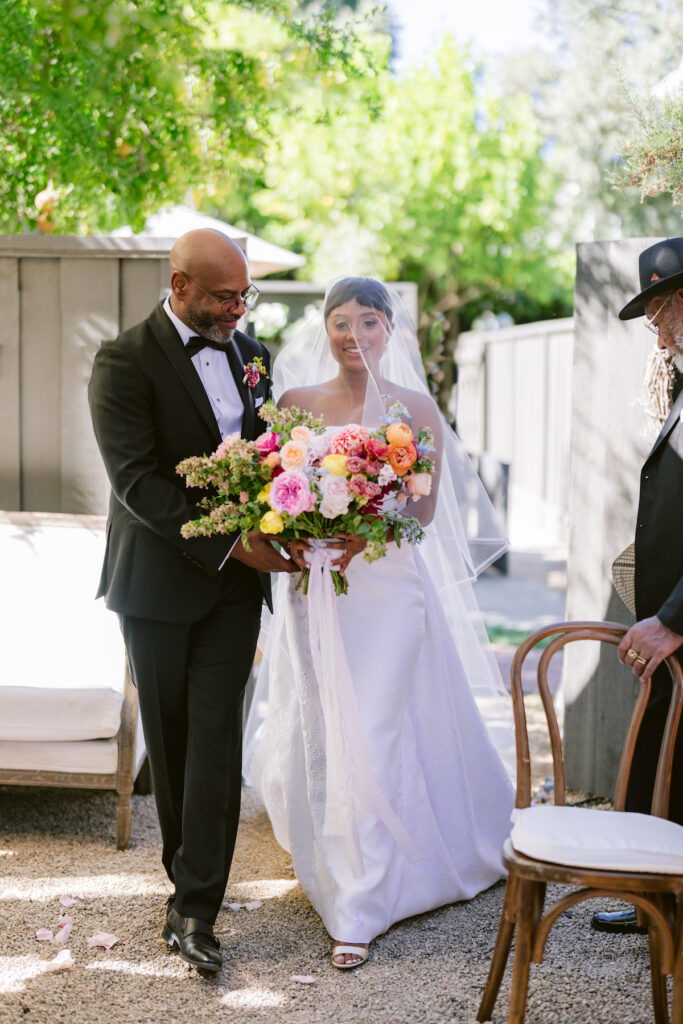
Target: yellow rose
399, 434
293, 455
271, 522
264, 494
335, 464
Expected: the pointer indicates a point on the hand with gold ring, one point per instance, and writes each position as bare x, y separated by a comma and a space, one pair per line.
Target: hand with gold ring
646, 644
636, 657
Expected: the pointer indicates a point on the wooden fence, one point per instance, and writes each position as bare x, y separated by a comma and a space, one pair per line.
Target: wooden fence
513, 401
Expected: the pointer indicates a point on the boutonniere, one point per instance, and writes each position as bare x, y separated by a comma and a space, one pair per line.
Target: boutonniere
253, 372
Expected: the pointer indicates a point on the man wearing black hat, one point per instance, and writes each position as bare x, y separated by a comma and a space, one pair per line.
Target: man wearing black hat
658, 547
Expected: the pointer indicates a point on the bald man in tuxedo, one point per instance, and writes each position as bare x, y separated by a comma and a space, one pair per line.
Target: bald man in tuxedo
168, 388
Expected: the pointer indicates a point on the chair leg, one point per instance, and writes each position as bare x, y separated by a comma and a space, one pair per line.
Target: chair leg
123, 821
659, 998
506, 930
527, 914
677, 1007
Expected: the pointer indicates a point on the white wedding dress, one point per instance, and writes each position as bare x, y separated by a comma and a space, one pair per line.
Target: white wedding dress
424, 744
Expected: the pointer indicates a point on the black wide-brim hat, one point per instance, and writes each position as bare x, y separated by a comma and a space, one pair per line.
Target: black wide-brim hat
661, 270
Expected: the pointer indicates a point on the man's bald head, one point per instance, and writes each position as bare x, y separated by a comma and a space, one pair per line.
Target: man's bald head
208, 268
204, 249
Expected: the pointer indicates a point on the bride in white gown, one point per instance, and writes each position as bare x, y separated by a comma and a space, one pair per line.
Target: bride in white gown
370, 752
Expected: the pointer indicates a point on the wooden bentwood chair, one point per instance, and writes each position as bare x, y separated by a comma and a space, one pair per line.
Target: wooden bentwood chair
634, 857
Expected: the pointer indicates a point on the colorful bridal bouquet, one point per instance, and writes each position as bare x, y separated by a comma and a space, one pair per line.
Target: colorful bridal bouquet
299, 480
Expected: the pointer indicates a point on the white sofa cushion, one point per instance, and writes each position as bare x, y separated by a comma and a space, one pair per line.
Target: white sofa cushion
33, 713
98, 757
55, 634
589, 838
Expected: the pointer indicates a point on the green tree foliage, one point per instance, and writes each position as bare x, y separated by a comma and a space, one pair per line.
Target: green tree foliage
601, 55
424, 180
653, 160
122, 105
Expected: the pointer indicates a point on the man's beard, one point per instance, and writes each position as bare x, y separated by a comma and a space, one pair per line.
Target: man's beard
207, 326
660, 379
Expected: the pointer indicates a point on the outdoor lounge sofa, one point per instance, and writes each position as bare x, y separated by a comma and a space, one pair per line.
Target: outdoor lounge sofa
68, 710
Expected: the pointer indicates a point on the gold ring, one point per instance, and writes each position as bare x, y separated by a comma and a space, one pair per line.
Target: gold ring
643, 661
632, 654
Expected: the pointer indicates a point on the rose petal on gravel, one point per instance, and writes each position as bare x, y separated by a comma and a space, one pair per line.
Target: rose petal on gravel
67, 901
61, 962
103, 939
303, 979
44, 935
254, 905
233, 906
65, 925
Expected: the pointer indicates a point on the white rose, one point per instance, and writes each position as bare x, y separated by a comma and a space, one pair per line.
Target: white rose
336, 497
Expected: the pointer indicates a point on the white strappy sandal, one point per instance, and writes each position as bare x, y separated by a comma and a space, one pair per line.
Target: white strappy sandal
360, 952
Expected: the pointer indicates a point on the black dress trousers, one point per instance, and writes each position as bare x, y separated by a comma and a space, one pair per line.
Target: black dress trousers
642, 781
191, 679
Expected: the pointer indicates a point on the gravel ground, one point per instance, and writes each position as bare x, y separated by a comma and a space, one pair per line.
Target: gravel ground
427, 970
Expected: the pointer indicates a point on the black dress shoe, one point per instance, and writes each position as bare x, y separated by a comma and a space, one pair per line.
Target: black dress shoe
620, 922
194, 940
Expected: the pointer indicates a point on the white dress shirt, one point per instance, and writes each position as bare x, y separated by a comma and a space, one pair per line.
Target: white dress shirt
218, 382
216, 377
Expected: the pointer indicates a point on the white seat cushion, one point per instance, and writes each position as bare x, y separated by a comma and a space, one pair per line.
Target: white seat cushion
99, 757
32, 713
606, 840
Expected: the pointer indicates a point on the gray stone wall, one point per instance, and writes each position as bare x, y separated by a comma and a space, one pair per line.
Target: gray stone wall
609, 441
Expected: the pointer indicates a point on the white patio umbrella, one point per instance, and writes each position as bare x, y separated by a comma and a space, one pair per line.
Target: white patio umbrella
670, 86
263, 257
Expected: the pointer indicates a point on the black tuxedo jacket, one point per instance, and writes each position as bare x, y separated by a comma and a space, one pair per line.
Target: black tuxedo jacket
659, 528
149, 411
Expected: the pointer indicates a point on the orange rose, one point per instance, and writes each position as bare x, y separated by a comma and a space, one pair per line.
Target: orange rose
399, 434
401, 457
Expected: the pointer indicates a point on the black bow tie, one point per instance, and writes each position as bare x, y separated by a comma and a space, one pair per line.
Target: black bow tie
196, 344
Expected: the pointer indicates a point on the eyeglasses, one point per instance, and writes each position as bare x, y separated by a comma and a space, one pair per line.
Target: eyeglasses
650, 320
247, 298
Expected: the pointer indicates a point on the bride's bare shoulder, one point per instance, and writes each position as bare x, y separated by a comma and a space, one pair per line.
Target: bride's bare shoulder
306, 398
418, 403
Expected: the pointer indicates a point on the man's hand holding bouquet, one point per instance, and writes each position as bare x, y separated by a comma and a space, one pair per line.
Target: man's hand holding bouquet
299, 482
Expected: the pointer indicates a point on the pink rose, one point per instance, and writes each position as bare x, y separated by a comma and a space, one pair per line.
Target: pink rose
267, 442
357, 485
354, 464
373, 468
377, 448
244, 497
371, 489
290, 492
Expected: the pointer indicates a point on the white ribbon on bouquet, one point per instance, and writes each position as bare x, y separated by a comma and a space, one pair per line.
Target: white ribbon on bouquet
349, 773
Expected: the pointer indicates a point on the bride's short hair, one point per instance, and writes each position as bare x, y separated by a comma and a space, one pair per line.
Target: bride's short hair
365, 290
